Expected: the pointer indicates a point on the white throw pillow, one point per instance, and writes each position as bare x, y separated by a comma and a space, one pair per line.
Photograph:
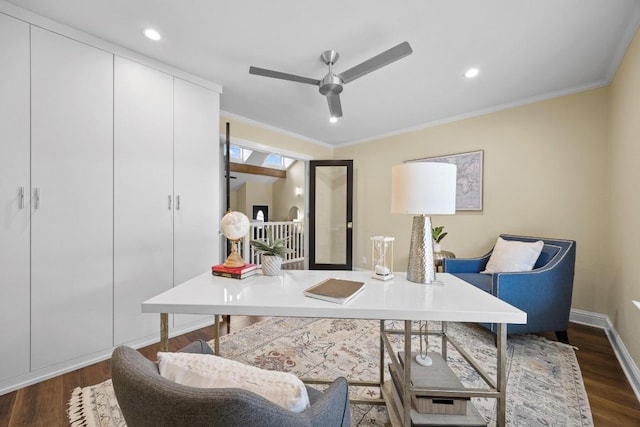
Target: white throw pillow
513, 256
209, 371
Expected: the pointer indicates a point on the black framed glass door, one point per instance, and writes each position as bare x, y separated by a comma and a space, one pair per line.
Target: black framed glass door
330, 214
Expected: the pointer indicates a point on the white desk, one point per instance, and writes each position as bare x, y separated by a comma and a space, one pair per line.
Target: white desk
396, 299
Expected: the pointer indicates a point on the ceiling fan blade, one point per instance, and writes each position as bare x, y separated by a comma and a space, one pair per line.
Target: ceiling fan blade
284, 76
378, 61
335, 108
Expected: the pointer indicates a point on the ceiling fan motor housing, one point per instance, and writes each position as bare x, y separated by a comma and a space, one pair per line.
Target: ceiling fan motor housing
331, 84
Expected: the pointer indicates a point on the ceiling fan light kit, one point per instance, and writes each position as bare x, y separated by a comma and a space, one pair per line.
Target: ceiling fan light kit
332, 84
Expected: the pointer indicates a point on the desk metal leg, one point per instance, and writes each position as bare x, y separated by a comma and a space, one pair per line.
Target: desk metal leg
164, 331
443, 331
406, 393
501, 376
381, 357
216, 341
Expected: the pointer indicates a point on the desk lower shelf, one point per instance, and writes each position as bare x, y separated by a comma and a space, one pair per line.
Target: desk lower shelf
438, 375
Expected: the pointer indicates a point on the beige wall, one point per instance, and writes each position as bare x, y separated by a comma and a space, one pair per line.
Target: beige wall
241, 201
284, 192
279, 196
545, 174
255, 193
233, 201
623, 236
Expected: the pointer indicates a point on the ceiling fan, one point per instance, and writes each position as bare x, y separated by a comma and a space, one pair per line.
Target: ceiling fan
332, 84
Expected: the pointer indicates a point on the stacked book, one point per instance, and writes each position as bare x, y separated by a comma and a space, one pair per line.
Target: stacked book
243, 272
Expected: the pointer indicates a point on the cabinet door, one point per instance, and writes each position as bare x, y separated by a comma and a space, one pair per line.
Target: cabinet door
72, 210
196, 182
14, 197
143, 195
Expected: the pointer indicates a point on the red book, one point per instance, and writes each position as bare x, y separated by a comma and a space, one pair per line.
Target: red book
234, 272
220, 268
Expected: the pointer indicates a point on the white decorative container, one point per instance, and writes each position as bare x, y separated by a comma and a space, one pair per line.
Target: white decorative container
271, 265
382, 257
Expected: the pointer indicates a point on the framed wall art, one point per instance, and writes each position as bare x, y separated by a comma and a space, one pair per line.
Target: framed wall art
469, 178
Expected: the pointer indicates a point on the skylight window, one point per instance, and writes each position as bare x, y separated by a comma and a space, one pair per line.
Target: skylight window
287, 162
273, 160
235, 152
245, 154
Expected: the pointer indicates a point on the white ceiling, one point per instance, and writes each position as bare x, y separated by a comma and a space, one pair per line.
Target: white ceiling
525, 49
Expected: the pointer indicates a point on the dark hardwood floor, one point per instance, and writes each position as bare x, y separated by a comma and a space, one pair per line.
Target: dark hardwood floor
612, 400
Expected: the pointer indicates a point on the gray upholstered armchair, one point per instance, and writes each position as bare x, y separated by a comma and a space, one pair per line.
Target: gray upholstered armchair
544, 293
148, 399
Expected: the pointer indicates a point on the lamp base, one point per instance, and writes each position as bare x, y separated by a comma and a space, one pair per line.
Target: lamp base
424, 360
421, 268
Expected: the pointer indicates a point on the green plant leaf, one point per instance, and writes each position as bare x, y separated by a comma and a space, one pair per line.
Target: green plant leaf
271, 246
440, 237
437, 234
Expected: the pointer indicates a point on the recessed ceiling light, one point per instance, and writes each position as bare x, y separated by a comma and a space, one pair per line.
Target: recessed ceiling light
152, 34
333, 119
471, 73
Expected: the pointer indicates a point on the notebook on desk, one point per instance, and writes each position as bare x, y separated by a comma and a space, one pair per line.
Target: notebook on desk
338, 291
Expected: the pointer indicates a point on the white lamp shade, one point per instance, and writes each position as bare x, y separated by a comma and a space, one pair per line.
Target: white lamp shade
423, 188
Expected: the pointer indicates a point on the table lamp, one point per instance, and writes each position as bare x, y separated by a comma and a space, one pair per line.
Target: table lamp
423, 189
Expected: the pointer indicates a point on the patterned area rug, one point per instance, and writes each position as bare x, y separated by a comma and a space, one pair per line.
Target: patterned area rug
544, 383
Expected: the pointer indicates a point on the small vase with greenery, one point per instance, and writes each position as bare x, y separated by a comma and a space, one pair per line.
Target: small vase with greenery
438, 233
272, 252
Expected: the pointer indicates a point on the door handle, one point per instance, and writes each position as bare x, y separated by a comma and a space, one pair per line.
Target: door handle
178, 202
169, 201
349, 225
21, 198
36, 198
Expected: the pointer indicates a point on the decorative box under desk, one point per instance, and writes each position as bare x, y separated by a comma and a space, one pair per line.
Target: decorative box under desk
430, 410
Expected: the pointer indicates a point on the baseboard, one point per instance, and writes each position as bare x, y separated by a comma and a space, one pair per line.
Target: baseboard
25, 380
602, 321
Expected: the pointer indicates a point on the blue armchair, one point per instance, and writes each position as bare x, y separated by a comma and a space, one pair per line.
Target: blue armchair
544, 293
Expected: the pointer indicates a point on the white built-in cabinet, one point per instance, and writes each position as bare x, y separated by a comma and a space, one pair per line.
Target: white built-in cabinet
165, 191
196, 178
14, 197
143, 195
109, 190
71, 199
